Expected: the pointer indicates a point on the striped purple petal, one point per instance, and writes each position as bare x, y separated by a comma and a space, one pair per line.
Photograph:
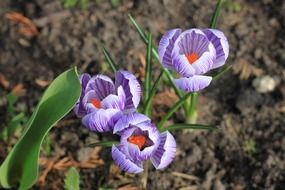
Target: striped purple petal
129, 119
131, 87
189, 41
193, 84
125, 163
151, 134
182, 66
87, 99
115, 101
102, 85
79, 108
221, 45
193, 53
205, 62
165, 152
166, 45
102, 120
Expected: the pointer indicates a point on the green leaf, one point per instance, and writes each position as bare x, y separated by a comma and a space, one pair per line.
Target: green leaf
104, 143
105, 188
222, 71
189, 126
152, 93
148, 69
72, 180
170, 112
216, 14
14, 124
155, 54
110, 60
20, 167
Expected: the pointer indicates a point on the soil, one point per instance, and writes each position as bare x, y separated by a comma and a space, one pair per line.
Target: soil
248, 152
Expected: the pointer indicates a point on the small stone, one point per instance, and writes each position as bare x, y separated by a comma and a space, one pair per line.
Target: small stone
264, 84
83, 154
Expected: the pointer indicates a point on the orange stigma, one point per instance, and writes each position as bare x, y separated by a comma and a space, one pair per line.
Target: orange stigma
96, 103
138, 140
192, 57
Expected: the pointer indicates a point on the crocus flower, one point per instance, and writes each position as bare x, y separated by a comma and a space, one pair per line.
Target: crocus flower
192, 53
140, 141
102, 102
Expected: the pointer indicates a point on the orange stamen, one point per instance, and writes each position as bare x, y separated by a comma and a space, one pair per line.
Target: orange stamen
192, 57
138, 140
96, 103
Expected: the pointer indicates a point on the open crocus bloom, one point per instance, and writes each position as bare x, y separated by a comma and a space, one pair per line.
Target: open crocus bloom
102, 102
192, 53
140, 140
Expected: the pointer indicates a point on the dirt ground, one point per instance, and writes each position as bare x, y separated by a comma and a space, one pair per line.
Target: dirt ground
248, 152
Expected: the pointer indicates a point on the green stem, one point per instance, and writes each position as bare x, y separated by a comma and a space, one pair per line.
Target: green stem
109, 60
221, 72
148, 68
155, 54
216, 14
192, 111
170, 112
147, 110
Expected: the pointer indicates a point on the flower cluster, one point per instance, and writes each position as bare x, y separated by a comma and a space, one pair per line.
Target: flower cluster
105, 106
191, 54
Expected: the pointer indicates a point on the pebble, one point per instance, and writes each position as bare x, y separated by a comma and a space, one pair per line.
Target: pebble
84, 154
264, 84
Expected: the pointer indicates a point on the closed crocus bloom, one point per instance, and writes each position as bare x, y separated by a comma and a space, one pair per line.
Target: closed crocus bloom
193, 53
102, 102
140, 141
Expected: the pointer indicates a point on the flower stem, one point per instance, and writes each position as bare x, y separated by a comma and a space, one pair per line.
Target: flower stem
191, 115
170, 112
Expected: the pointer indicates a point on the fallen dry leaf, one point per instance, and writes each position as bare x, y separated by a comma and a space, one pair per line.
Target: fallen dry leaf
142, 66
128, 187
246, 70
167, 98
19, 90
42, 83
63, 164
4, 82
26, 26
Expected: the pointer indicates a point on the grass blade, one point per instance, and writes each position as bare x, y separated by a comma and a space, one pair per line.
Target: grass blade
104, 143
109, 60
72, 179
179, 103
216, 14
147, 105
155, 54
222, 71
148, 69
189, 126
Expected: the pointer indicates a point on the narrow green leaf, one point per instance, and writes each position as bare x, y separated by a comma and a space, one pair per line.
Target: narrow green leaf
15, 122
148, 69
222, 71
216, 14
20, 167
152, 93
189, 126
155, 54
110, 60
72, 179
104, 143
170, 112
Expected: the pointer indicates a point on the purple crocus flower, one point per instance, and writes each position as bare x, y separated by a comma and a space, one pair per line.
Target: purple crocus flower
102, 102
192, 53
140, 141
